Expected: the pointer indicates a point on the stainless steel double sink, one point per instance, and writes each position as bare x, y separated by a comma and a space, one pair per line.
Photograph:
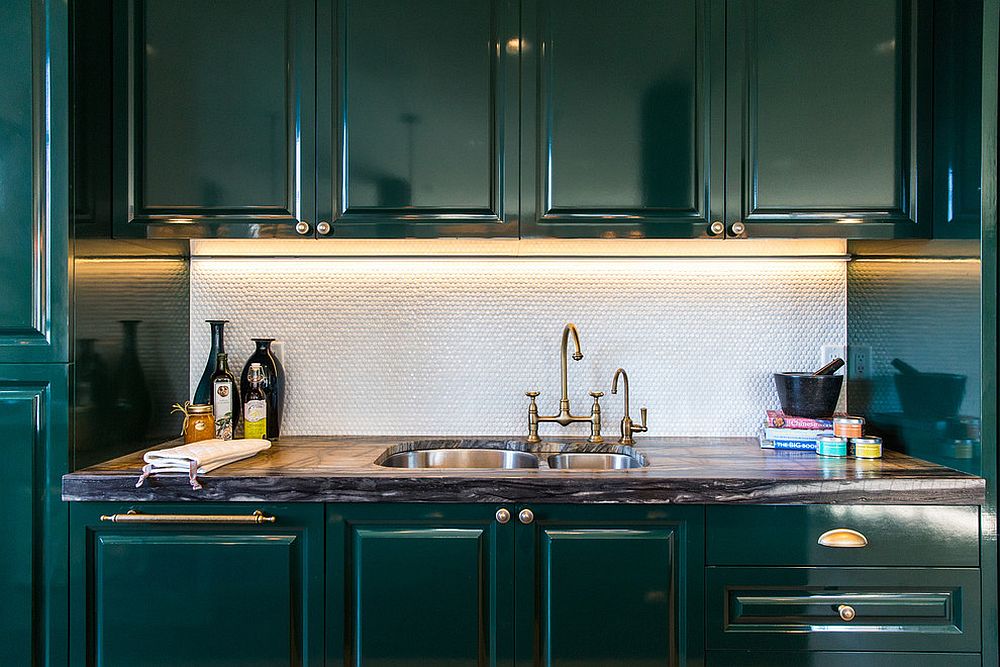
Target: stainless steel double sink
507, 455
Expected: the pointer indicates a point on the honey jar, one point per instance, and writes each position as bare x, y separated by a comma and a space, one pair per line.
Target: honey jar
848, 426
199, 423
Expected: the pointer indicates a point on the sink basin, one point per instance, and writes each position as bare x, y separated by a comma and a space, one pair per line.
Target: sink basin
501, 459
593, 461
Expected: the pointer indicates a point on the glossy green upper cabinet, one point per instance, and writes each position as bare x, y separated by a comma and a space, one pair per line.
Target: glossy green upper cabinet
214, 117
622, 118
828, 107
418, 127
34, 420
197, 594
602, 585
34, 209
418, 585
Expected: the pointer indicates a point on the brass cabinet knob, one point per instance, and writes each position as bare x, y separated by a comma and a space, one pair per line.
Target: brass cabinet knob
716, 228
302, 227
846, 612
737, 228
323, 228
503, 515
526, 516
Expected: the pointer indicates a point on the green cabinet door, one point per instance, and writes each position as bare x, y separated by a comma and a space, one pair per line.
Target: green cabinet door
418, 585
35, 451
417, 109
177, 592
602, 585
828, 106
622, 118
214, 117
34, 215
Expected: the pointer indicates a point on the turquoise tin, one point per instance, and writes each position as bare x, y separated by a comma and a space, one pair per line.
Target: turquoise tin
831, 445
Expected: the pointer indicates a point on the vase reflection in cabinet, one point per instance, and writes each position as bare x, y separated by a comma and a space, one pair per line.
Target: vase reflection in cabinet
273, 383
94, 394
203, 394
132, 407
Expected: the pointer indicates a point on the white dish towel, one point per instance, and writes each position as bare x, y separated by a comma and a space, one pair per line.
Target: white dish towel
198, 458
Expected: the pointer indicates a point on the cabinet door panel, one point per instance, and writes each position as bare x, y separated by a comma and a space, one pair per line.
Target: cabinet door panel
216, 119
34, 222
839, 659
411, 585
418, 117
35, 449
588, 574
827, 117
198, 594
622, 130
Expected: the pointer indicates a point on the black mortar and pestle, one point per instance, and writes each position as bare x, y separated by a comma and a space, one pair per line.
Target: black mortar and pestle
811, 395
928, 395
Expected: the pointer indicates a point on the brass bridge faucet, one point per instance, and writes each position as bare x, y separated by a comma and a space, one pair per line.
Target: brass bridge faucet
565, 416
628, 426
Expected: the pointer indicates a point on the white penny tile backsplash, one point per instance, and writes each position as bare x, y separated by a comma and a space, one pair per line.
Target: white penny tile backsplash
422, 346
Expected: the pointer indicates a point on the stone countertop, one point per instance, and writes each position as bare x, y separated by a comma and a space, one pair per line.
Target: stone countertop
679, 470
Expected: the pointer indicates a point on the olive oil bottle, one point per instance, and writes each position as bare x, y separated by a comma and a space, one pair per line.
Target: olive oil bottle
255, 405
226, 405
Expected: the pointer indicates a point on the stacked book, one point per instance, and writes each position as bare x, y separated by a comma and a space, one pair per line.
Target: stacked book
783, 431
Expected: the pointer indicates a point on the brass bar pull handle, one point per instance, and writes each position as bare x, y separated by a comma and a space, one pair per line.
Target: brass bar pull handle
842, 538
258, 517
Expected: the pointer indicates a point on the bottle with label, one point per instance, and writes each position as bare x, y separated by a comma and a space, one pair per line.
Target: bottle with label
255, 405
225, 399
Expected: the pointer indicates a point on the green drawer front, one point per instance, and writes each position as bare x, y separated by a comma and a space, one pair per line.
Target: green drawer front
899, 609
839, 659
909, 535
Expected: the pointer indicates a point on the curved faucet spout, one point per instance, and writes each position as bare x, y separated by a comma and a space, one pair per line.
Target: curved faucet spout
614, 385
570, 328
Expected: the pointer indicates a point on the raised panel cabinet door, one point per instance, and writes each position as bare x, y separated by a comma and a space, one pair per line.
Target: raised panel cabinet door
417, 107
600, 585
34, 420
828, 109
415, 585
34, 182
197, 594
622, 118
214, 123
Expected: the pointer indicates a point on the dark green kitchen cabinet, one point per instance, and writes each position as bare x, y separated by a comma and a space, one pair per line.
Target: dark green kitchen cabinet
828, 118
34, 420
839, 659
418, 125
622, 118
34, 215
419, 585
197, 585
601, 585
214, 117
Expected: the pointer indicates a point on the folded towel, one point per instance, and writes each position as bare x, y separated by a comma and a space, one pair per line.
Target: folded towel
198, 458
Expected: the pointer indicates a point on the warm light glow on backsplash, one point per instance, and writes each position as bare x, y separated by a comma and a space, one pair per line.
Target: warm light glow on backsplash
417, 345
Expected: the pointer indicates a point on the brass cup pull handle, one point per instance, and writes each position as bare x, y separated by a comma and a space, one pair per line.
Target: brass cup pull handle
526, 516
842, 538
132, 516
503, 515
846, 612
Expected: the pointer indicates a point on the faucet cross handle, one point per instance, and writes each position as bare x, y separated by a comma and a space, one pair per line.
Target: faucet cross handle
532, 394
597, 395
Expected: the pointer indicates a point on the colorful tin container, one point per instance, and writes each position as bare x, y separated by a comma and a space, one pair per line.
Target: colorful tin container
831, 445
867, 448
847, 426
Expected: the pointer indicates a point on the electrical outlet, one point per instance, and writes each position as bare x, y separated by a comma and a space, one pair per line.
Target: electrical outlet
830, 352
859, 361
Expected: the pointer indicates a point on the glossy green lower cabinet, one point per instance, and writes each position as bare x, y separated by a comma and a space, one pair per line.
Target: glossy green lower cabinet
829, 609
606, 585
839, 659
197, 594
418, 585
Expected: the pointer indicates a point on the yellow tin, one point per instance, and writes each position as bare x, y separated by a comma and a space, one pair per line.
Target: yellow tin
867, 448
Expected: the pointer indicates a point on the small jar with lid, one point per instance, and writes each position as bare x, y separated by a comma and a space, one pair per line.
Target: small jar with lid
832, 446
867, 448
199, 422
847, 426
